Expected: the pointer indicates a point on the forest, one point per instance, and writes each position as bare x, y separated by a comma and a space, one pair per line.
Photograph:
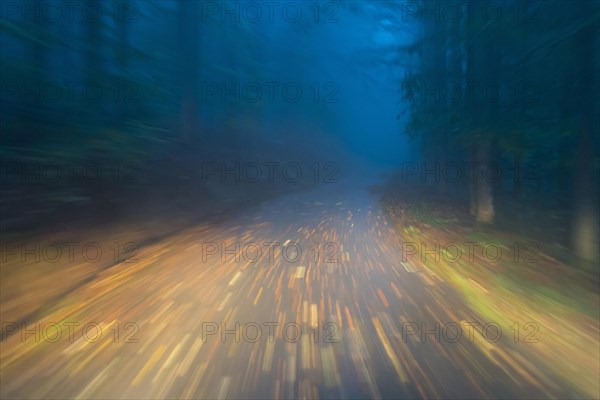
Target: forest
384, 173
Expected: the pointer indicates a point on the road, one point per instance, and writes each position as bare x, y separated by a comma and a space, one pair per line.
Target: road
330, 310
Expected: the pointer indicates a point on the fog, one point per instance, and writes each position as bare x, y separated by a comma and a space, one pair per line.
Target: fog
329, 199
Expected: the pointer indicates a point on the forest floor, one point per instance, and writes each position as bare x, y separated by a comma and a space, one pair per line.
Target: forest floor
509, 273
57, 250
375, 320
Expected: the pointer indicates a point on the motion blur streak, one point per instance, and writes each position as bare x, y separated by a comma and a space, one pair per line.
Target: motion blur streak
330, 199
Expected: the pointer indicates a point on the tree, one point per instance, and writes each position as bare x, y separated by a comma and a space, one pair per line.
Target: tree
586, 219
189, 43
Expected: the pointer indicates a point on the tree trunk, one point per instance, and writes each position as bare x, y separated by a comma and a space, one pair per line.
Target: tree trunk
92, 59
483, 186
123, 108
189, 66
585, 234
517, 176
472, 184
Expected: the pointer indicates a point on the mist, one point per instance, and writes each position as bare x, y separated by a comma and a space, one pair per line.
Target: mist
329, 199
